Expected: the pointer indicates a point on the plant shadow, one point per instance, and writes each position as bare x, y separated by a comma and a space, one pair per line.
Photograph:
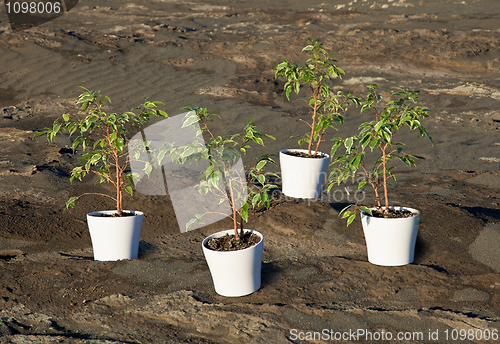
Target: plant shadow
421, 250
483, 213
269, 273
339, 206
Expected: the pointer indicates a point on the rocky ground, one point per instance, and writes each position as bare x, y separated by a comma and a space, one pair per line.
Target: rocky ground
220, 55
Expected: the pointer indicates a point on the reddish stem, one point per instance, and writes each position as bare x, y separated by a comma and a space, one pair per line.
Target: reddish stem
315, 109
384, 166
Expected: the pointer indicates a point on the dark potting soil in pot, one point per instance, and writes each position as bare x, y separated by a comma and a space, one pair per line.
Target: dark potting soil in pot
305, 155
123, 214
229, 242
393, 214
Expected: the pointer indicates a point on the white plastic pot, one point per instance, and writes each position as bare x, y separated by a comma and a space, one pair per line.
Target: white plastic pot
390, 242
235, 273
302, 177
115, 238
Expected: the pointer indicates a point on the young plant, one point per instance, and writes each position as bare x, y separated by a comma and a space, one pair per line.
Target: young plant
223, 177
107, 156
378, 136
325, 107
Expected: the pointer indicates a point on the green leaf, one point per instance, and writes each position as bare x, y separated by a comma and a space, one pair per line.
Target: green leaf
261, 165
356, 161
378, 126
40, 133
65, 117
85, 142
365, 140
56, 128
191, 118
296, 85
348, 144
70, 203
161, 156
131, 176
118, 144
85, 106
335, 147
366, 210
191, 223
129, 190
162, 113
345, 209
259, 141
288, 90
244, 212
350, 219
148, 169
95, 158
99, 142
374, 143
386, 136
76, 143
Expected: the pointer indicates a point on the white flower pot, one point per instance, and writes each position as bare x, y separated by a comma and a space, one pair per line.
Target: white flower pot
115, 238
390, 242
302, 177
235, 273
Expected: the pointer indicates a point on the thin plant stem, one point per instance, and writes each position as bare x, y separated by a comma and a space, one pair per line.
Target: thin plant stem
384, 167
315, 107
374, 185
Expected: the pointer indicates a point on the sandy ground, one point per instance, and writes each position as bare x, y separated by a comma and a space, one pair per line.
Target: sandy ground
220, 55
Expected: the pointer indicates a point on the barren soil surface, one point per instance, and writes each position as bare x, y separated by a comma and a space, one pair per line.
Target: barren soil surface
219, 54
